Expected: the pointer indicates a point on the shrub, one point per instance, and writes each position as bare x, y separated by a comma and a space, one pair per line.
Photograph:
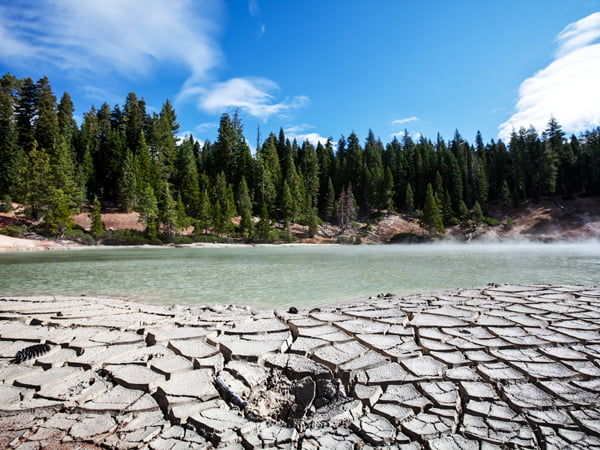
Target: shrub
127, 237
491, 221
13, 231
6, 204
80, 235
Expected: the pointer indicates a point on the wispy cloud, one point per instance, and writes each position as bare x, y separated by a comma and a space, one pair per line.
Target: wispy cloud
95, 42
568, 88
252, 95
207, 126
403, 121
129, 38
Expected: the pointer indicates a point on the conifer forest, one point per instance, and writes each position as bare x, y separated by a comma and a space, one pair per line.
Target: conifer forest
124, 158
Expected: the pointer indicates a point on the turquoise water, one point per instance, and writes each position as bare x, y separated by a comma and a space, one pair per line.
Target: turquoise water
267, 276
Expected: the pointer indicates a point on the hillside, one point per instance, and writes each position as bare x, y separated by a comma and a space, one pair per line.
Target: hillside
552, 219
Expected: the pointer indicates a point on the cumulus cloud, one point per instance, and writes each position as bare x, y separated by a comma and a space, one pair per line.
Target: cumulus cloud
414, 135
301, 134
568, 88
403, 121
252, 95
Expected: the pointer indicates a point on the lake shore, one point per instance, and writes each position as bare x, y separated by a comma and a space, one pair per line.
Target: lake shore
504, 365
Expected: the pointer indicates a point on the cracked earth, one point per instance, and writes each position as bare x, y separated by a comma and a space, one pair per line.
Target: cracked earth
490, 367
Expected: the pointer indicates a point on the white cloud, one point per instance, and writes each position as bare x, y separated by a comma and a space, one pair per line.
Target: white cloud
313, 138
301, 134
95, 42
204, 127
402, 121
184, 135
568, 88
252, 95
87, 36
414, 135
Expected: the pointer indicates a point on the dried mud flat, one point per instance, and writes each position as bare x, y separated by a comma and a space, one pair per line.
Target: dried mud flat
491, 367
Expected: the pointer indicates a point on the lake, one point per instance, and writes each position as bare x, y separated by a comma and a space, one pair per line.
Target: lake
282, 276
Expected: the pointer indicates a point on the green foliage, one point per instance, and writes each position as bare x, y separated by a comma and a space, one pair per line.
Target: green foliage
58, 220
128, 237
263, 228
80, 236
431, 218
245, 209
97, 229
6, 204
491, 221
15, 231
127, 156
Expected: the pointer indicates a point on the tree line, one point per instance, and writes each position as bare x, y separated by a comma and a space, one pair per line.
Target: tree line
133, 160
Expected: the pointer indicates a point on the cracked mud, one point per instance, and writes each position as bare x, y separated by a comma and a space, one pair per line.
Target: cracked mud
492, 367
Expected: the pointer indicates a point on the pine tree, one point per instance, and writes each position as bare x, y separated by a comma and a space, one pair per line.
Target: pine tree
263, 228
346, 207
128, 184
431, 218
182, 221
168, 214
476, 214
287, 207
46, 120
148, 210
205, 213
409, 199
329, 207
9, 155
97, 229
35, 185
58, 220
506, 201
245, 209
25, 112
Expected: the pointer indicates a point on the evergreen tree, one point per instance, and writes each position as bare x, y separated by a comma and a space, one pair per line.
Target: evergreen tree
329, 207
58, 220
287, 205
25, 115
182, 220
46, 119
97, 229
205, 213
35, 186
263, 228
409, 199
506, 201
128, 184
148, 210
245, 209
9, 154
168, 214
346, 207
431, 218
476, 214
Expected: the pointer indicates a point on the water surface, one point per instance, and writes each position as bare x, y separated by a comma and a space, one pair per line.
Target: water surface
267, 276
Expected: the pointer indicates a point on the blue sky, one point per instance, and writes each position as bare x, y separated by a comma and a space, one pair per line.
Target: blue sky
320, 68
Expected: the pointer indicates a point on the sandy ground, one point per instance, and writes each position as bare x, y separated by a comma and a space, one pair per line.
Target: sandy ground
551, 219
11, 243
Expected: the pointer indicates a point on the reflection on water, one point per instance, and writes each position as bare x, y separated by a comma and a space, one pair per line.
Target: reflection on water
300, 275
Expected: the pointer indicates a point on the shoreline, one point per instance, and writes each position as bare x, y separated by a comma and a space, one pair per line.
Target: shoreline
501, 364
10, 244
